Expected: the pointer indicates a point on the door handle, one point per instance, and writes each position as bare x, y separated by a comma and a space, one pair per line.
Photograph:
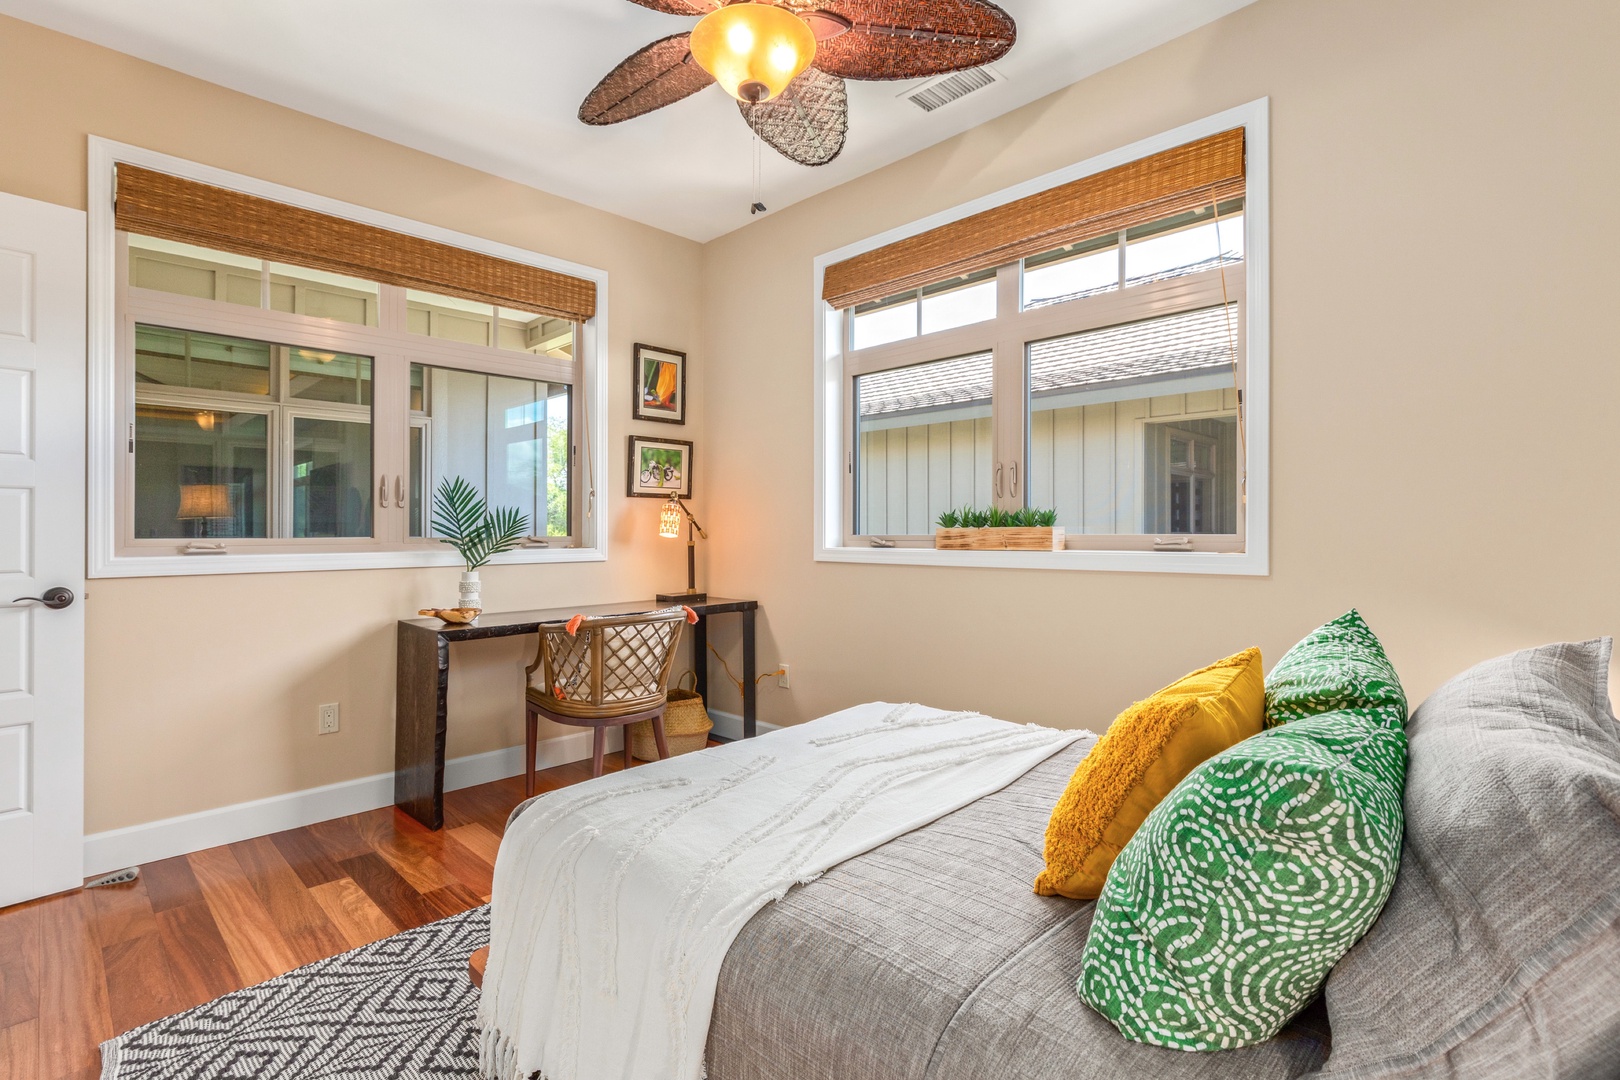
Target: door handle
382, 492
998, 480
56, 599
399, 491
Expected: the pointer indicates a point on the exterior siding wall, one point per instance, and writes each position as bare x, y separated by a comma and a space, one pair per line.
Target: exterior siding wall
1086, 461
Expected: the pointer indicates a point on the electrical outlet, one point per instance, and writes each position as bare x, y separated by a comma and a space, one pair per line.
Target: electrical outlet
328, 719
784, 680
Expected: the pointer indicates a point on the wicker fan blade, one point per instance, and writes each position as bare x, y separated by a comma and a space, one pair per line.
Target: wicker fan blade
661, 74
805, 123
912, 39
679, 7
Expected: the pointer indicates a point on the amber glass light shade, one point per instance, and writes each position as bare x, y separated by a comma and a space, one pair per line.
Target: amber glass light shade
753, 49
669, 521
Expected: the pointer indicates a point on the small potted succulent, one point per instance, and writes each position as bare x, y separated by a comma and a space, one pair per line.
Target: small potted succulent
1025, 529
463, 520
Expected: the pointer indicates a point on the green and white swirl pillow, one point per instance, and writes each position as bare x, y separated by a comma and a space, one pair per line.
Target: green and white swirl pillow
1226, 911
1339, 666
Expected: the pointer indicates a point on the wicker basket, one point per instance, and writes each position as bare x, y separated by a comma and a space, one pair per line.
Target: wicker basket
686, 725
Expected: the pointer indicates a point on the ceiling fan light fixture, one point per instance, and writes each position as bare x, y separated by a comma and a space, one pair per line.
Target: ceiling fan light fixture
753, 49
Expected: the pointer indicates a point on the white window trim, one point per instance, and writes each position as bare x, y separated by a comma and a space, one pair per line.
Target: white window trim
106, 442
829, 331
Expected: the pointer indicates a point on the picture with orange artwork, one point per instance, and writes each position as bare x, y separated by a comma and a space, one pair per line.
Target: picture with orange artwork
660, 385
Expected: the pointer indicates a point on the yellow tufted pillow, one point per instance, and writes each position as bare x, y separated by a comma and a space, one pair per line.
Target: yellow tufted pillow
1145, 753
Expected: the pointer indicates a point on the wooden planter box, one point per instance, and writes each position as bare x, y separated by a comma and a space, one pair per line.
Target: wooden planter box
999, 539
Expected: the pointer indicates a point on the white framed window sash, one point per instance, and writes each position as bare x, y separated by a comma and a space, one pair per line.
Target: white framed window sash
115, 307
835, 369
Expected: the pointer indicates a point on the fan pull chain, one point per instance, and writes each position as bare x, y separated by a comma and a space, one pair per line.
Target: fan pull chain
756, 206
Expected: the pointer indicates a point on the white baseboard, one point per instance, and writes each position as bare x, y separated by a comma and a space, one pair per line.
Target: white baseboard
136, 844
730, 725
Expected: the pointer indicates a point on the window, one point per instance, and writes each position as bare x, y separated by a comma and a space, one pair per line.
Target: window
286, 415
508, 437
244, 439
948, 304
922, 443
1108, 377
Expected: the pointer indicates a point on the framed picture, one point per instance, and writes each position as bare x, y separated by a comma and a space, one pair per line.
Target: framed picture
660, 385
660, 468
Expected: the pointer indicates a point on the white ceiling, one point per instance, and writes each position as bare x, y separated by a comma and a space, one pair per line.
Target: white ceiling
495, 84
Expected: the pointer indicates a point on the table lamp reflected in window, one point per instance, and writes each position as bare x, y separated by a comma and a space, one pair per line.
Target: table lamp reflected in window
203, 504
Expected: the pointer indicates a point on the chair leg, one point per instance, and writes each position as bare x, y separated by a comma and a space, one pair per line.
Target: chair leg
598, 744
628, 761
658, 735
530, 736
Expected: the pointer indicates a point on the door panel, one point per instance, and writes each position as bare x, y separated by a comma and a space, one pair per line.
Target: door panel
42, 406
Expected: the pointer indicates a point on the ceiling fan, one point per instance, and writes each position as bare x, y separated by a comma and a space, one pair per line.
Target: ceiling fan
785, 61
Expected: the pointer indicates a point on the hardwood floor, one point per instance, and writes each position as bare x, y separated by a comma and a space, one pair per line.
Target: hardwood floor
78, 968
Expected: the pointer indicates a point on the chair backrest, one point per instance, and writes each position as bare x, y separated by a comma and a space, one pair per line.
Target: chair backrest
609, 666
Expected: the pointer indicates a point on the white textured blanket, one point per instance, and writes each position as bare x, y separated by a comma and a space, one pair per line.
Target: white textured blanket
615, 901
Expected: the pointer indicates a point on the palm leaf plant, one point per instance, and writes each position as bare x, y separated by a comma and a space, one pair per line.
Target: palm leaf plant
465, 522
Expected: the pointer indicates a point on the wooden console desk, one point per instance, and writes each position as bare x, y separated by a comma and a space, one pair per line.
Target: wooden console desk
423, 681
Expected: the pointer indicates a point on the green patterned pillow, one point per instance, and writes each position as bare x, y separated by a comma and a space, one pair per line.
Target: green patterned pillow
1337, 667
1228, 908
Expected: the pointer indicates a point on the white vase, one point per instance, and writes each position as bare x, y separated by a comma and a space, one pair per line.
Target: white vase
470, 597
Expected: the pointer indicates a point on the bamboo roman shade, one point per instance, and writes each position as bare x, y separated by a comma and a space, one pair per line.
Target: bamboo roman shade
171, 208
1183, 178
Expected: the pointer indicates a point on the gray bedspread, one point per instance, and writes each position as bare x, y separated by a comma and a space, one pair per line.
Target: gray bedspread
931, 958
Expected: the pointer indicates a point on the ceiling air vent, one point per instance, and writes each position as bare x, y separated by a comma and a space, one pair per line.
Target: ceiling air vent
936, 93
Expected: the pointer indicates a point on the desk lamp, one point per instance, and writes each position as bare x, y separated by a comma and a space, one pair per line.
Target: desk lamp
669, 527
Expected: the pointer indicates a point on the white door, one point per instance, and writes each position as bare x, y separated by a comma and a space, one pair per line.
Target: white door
42, 407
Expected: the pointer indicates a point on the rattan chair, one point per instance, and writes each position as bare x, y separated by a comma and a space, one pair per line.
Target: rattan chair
609, 672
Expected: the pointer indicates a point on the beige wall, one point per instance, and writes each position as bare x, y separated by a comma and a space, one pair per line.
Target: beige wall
202, 691
1445, 369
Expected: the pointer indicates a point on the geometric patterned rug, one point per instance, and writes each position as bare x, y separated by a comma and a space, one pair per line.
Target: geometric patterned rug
401, 1008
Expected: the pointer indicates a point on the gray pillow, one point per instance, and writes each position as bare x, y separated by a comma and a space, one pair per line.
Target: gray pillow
1498, 954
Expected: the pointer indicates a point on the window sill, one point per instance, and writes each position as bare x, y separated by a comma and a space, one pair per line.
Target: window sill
1239, 564
133, 566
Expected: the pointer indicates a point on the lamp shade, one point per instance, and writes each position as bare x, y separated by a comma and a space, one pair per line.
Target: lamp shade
753, 49
669, 521
204, 501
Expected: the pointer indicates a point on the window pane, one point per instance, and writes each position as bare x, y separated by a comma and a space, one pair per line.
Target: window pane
200, 472
1133, 428
313, 375
883, 321
1184, 244
331, 478
1071, 273
199, 272
322, 295
540, 335
201, 361
449, 317
952, 304
508, 438
418, 475
922, 444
